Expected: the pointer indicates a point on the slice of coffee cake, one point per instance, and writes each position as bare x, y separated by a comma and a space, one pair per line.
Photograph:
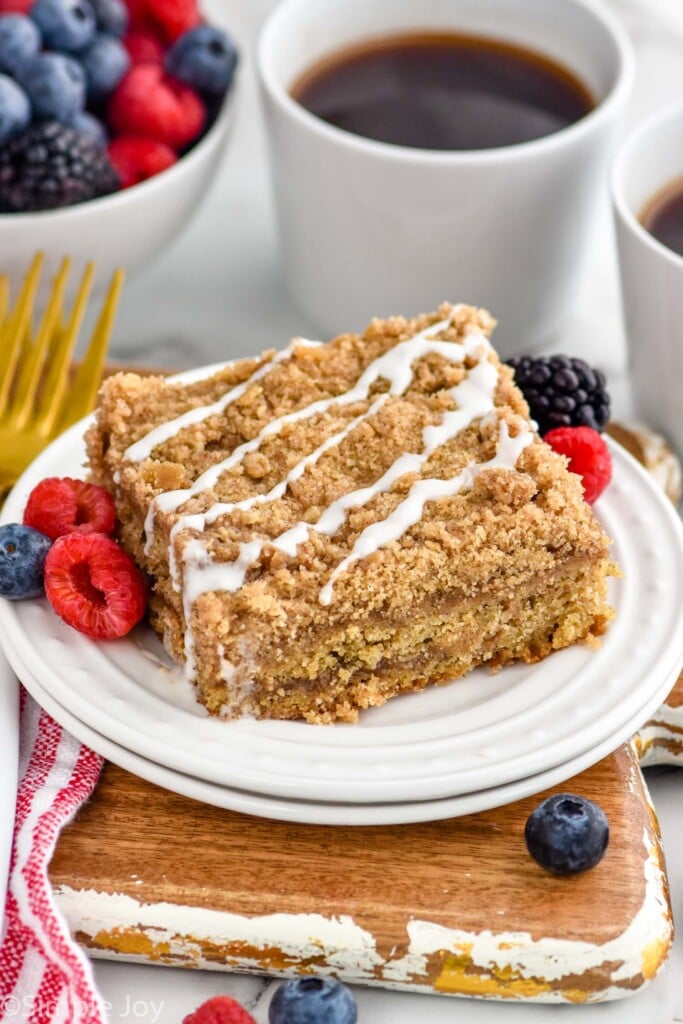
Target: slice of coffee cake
332, 525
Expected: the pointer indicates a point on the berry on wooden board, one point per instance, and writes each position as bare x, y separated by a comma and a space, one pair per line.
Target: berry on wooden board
94, 585
312, 1001
61, 505
220, 1010
567, 834
23, 551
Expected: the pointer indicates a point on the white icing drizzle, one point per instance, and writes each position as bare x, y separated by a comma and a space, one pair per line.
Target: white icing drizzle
143, 448
474, 397
201, 373
410, 510
209, 576
202, 519
395, 366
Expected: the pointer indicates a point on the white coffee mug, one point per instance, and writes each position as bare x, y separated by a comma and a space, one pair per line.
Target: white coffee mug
369, 228
651, 274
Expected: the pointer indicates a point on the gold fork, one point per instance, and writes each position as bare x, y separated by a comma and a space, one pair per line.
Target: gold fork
38, 396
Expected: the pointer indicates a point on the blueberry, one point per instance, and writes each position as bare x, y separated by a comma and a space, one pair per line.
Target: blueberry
90, 127
204, 58
111, 16
55, 85
312, 1001
65, 25
22, 557
567, 834
105, 63
19, 41
15, 109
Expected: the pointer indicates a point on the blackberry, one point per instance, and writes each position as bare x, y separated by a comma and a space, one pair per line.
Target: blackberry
51, 165
562, 391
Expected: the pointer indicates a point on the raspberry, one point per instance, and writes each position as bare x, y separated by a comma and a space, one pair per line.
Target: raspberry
588, 456
60, 505
175, 16
137, 158
94, 586
147, 102
220, 1010
139, 15
143, 47
15, 6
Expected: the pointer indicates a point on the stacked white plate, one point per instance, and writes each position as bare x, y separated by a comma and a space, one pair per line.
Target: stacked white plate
483, 741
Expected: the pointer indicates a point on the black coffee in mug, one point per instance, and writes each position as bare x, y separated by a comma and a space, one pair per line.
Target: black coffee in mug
663, 216
443, 91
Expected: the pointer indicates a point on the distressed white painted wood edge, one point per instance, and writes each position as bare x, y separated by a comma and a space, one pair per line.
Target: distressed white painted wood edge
660, 741
175, 934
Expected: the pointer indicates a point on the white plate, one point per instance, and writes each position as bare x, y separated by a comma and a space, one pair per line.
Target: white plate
9, 755
485, 731
310, 812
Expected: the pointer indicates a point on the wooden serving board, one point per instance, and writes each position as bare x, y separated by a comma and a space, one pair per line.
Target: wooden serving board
455, 906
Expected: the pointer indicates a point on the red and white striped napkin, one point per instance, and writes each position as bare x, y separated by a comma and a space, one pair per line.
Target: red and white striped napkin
44, 976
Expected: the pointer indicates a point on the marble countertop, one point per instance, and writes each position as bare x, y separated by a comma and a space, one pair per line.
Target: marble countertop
218, 293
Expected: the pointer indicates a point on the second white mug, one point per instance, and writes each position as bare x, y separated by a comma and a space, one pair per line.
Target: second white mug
651, 274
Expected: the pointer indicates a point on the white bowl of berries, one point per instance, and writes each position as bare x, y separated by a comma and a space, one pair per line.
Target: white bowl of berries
113, 119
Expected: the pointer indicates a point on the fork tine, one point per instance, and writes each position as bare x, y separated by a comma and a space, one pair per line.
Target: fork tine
4, 300
57, 380
31, 372
13, 334
87, 381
